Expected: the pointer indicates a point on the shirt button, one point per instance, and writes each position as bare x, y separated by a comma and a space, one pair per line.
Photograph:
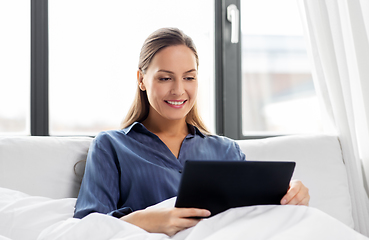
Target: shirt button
180, 171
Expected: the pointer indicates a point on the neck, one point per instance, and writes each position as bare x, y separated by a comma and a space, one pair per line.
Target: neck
165, 126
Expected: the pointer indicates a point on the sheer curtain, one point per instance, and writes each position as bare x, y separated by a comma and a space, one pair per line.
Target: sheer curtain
338, 43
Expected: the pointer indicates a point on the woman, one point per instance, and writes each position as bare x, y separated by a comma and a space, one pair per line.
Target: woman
130, 169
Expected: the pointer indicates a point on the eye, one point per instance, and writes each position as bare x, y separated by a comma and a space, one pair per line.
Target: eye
164, 79
189, 78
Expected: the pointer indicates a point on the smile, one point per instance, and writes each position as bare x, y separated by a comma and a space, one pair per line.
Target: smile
177, 103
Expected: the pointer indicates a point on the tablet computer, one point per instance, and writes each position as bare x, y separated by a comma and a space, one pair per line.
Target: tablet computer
220, 185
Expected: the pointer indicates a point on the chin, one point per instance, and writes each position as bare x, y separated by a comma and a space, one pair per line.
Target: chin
175, 117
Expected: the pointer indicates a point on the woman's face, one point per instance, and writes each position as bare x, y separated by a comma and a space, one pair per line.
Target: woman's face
171, 82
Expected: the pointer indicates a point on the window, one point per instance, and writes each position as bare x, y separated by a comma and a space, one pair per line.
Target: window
93, 56
267, 71
84, 58
277, 89
14, 67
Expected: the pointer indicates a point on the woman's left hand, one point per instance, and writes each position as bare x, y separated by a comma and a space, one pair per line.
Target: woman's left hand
297, 194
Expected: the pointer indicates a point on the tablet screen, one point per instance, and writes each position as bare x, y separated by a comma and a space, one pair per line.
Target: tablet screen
220, 185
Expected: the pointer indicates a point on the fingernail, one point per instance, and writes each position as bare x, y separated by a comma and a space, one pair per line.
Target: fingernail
284, 201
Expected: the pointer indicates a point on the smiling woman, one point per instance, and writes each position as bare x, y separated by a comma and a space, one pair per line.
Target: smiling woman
131, 169
167, 79
141, 164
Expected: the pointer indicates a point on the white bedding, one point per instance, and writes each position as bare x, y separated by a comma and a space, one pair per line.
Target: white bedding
27, 217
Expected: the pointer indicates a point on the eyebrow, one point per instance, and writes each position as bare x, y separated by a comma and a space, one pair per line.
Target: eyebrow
170, 72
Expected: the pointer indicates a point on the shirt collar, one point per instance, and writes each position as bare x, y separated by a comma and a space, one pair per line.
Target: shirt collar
140, 127
129, 128
194, 131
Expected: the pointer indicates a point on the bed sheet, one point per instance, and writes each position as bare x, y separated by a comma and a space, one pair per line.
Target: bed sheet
29, 217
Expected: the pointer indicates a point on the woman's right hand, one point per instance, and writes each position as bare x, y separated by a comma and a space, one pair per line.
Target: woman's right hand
166, 220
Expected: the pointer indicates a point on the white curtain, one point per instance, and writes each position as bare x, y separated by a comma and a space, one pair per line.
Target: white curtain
338, 43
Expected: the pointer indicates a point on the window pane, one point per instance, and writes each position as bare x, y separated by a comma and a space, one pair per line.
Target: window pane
14, 67
278, 94
94, 48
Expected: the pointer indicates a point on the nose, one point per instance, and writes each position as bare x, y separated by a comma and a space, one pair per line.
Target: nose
177, 88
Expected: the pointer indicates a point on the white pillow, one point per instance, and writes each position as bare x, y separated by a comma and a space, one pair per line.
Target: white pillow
319, 165
42, 166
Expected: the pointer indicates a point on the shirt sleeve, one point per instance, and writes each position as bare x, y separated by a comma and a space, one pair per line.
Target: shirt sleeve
241, 154
100, 186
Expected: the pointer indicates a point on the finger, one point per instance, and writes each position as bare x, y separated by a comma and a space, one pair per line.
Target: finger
181, 224
295, 200
297, 195
185, 223
290, 195
305, 201
192, 212
305, 197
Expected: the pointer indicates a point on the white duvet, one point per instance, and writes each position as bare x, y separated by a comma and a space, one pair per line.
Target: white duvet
26, 217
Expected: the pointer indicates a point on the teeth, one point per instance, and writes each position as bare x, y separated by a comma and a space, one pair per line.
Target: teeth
175, 103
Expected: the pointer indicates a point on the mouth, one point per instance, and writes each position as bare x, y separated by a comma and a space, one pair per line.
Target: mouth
175, 102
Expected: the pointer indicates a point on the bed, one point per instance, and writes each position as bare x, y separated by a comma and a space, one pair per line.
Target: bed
40, 179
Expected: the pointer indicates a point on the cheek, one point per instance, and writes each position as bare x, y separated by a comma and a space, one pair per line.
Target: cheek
155, 93
192, 90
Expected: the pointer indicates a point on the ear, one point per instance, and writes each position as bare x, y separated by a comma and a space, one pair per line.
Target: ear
140, 82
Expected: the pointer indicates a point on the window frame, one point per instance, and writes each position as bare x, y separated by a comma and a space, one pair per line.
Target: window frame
227, 74
228, 77
39, 68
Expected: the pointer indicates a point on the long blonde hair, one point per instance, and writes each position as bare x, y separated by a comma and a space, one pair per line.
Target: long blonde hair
158, 40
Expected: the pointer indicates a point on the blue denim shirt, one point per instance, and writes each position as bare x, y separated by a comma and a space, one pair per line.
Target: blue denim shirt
131, 169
